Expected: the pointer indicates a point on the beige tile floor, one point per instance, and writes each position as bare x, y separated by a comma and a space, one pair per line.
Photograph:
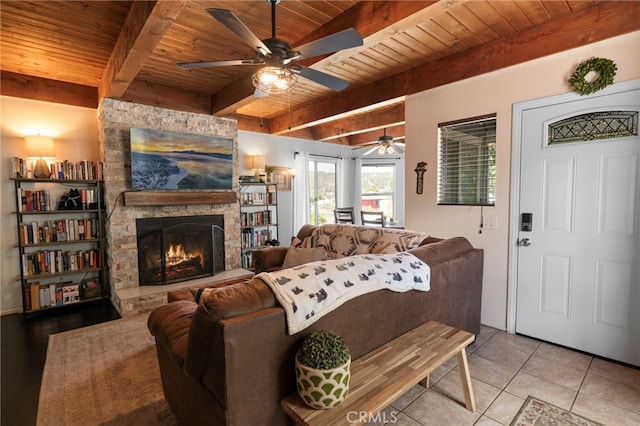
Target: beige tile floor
505, 369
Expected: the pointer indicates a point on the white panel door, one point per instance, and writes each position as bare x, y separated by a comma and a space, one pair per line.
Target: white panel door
578, 274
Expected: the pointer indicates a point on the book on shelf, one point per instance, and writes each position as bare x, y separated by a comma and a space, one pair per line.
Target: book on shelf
70, 293
35, 295
59, 294
82, 170
52, 294
44, 296
18, 167
62, 170
34, 200
26, 296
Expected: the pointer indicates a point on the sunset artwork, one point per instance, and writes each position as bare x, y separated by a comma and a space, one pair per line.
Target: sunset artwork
170, 160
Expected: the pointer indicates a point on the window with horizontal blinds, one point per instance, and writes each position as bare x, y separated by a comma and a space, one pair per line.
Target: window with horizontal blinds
467, 162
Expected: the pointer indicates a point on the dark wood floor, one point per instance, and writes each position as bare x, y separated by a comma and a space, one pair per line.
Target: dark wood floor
23, 352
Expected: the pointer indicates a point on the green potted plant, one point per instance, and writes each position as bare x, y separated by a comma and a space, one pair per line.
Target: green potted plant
323, 369
269, 172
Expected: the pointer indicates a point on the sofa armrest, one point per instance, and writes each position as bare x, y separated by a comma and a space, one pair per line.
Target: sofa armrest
442, 250
170, 325
205, 360
269, 259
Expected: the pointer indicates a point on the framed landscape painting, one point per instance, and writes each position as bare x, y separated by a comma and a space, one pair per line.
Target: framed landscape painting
170, 160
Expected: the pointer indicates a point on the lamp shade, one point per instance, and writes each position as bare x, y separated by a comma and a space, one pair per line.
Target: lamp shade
39, 146
257, 162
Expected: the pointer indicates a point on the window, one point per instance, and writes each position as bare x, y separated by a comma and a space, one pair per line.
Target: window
594, 126
322, 191
467, 162
378, 187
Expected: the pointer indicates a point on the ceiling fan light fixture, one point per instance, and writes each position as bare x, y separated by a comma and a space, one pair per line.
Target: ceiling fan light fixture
274, 80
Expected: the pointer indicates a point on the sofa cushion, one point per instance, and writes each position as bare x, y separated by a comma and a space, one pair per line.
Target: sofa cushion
237, 299
299, 256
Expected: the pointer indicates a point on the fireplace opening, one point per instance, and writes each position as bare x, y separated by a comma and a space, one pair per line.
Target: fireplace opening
174, 249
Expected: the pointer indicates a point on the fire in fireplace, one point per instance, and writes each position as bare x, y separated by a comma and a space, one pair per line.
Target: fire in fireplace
173, 249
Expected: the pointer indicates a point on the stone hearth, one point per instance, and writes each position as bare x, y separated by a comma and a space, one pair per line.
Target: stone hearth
144, 298
116, 119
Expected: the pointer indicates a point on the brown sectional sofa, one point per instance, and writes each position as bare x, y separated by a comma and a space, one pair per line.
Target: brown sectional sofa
229, 360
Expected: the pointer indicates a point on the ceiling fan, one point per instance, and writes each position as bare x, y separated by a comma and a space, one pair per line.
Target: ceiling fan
384, 145
277, 57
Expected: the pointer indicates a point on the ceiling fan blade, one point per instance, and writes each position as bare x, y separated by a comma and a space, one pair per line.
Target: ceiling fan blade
332, 43
370, 150
232, 22
260, 93
211, 64
397, 147
320, 77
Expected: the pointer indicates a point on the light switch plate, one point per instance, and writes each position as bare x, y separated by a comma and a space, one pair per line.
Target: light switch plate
490, 223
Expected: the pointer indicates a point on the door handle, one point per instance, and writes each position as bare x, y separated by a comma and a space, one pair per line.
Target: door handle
524, 242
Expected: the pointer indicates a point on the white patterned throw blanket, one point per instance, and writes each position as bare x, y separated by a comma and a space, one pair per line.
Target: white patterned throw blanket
309, 291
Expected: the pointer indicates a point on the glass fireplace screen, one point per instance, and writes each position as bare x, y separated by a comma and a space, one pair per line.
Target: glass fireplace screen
179, 248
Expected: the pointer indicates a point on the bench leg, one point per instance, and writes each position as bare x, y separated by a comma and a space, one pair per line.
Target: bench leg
465, 377
425, 382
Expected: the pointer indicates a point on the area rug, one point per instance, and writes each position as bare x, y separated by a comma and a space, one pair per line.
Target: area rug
105, 374
536, 412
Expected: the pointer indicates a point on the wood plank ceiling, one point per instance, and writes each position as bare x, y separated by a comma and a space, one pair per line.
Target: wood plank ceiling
79, 51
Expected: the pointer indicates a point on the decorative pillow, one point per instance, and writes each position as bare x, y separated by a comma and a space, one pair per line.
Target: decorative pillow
299, 256
383, 247
298, 243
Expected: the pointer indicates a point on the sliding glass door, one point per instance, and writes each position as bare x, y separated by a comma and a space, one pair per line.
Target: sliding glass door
322, 180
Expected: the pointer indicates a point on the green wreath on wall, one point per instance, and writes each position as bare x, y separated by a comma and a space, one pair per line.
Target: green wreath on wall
605, 68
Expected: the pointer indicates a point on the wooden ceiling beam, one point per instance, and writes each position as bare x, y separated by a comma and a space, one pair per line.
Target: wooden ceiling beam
359, 123
44, 89
361, 139
596, 23
143, 29
146, 93
227, 100
253, 124
368, 18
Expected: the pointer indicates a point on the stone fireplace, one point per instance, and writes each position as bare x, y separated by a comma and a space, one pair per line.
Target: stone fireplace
116, 119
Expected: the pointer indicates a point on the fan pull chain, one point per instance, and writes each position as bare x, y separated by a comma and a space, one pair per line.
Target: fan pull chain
261, 112
289, 98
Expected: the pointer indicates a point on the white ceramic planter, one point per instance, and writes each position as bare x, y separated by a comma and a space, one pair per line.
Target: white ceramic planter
322, 389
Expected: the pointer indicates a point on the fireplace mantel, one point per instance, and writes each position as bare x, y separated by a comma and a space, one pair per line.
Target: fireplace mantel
172, 198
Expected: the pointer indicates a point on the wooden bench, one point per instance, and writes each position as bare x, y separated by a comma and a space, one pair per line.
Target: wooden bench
381, 376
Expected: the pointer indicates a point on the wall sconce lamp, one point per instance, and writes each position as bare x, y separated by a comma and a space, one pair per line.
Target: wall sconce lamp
258, 163
40, 147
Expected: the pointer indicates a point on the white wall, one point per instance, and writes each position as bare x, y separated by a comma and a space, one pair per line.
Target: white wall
75, 133
278, 151
495, 92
